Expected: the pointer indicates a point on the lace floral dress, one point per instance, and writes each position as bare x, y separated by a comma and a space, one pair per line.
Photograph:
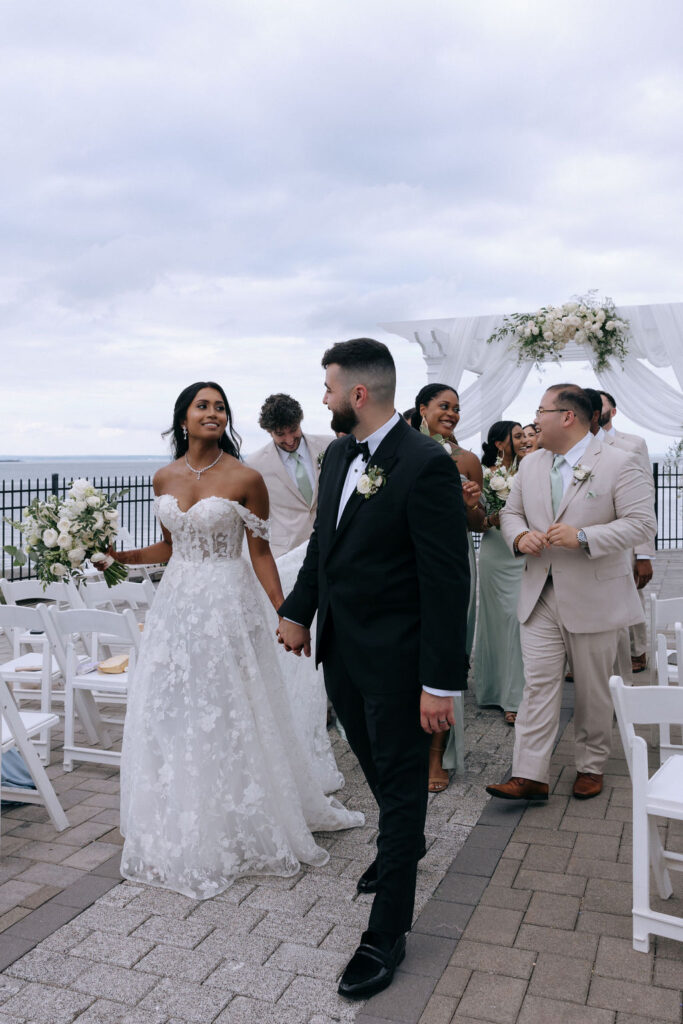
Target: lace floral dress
214, 781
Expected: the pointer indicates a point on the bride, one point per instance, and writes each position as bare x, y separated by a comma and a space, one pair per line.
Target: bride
214, 781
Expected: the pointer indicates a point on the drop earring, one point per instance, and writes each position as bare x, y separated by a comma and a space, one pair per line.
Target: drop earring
185, 433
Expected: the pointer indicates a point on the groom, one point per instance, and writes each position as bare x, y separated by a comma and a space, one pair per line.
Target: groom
387, 571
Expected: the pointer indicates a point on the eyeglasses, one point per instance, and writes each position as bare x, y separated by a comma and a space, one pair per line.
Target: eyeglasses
541, 410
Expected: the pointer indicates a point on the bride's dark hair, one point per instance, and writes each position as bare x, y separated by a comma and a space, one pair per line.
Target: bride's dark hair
424, 397
230, 441
498, 431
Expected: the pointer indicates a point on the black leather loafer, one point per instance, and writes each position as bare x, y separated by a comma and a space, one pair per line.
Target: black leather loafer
371, 969
367, 883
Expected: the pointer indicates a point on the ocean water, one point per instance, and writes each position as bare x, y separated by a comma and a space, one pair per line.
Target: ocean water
76, 466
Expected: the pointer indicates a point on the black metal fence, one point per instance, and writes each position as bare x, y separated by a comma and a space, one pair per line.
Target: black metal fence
137, 516
668, 480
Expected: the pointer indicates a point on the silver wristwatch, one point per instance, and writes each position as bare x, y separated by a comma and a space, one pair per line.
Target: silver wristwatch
582, 539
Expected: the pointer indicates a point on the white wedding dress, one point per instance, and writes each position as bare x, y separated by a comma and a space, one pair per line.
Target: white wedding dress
306, 689
215, 783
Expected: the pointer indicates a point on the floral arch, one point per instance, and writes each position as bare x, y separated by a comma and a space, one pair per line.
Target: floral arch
455, 344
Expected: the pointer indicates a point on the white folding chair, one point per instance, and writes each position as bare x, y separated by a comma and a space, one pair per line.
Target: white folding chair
17, 729
658, 797
137, 572
82, 690
664, 614
31, 675
667, 675
63, 595
128, 594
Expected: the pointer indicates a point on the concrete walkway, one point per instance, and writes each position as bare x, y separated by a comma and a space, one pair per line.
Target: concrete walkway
523, 914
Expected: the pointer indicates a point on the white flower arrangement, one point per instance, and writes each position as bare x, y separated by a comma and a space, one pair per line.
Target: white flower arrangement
60, 535
585, 320
370, 481
497, 485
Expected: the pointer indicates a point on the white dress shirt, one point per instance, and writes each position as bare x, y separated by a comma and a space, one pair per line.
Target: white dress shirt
290, 464
572, 459
357, 467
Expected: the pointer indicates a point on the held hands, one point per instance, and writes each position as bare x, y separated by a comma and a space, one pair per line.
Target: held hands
294, 637
436, 713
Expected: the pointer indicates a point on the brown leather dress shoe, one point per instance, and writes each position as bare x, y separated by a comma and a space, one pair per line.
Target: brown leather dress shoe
587, 785
520, 789
639, 663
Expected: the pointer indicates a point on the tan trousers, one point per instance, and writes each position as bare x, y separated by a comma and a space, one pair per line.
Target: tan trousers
638, 633
546, 646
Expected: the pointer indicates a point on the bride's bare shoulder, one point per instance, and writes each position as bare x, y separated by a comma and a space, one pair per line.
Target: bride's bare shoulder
165, 476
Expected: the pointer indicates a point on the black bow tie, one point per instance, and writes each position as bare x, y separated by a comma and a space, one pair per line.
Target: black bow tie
357, 448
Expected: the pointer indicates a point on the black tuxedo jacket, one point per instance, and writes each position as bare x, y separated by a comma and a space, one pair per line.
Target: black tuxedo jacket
394, 575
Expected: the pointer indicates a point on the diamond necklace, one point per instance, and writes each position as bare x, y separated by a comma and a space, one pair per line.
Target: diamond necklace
210, 466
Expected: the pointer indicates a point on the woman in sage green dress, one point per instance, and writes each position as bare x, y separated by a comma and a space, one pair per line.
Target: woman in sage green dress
498, 668
437, 413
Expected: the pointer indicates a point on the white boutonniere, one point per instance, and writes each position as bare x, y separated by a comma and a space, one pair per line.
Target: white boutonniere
321, 456
591, 494
370, 482
581, 473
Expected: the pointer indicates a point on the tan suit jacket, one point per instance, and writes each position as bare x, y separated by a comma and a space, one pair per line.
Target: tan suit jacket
637, 447
291, 519
595, 590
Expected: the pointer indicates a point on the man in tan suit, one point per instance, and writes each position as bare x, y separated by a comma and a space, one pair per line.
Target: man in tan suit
576, 511
290, 466
643, 556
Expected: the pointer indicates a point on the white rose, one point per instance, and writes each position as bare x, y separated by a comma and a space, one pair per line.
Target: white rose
364, 484
98, 520
610, 325
94, 501
112, 515
32, 539
63, 525
50, 538
498, 483
76, 556
580, 337
59, 570
79, 506
64, 541
534, 329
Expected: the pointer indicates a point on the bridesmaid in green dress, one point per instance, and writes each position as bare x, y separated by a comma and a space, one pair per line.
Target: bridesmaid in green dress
498, 668
437, 413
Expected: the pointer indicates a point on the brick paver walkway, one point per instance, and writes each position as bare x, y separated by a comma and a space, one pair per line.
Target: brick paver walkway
529, 923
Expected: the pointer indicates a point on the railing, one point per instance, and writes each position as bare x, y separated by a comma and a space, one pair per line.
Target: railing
669, 504
135, 511
137, 516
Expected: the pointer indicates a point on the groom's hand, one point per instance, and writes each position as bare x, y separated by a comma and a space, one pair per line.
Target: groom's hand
294, 637
436, 713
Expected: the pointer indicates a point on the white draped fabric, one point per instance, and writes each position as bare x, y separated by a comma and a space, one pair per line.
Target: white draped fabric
455, 344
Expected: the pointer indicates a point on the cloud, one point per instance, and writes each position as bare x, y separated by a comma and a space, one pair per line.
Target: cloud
220, 190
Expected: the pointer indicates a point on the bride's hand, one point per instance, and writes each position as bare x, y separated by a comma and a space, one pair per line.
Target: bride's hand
294, 637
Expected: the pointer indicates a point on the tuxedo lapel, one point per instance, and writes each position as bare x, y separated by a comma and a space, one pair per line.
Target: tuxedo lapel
587, 461
384, 458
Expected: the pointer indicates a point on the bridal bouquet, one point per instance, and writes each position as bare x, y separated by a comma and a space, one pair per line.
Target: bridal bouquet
497, 485
61, 535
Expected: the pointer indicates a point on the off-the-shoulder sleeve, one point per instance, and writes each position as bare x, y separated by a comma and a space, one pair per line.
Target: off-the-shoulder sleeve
259, 527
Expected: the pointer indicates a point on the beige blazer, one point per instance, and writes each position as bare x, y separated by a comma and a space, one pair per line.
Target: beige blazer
595, 590
291, 519
638, 449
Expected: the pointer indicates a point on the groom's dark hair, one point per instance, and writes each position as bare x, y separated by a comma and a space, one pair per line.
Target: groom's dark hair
370, 360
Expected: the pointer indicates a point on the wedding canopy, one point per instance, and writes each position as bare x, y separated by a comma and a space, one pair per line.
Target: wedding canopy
455, 344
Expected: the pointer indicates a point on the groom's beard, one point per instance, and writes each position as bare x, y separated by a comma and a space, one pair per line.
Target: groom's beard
344, 420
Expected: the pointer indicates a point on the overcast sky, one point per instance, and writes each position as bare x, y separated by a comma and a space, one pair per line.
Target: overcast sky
221, 189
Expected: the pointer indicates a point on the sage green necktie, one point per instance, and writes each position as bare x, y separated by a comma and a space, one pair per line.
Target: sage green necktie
301, 476
556, 483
